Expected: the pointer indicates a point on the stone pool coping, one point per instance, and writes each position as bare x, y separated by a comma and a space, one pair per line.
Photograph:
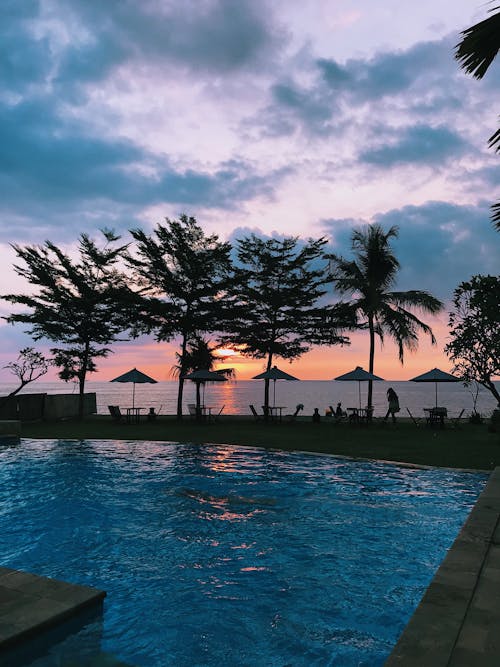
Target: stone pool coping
30, 604
457, 621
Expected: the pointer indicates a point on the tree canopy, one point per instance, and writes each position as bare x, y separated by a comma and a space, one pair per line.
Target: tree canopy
370, 278
474, 323
181, 274
272, 310
78, 303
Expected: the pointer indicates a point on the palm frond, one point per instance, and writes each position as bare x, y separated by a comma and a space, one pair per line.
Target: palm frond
479, 46
495, 217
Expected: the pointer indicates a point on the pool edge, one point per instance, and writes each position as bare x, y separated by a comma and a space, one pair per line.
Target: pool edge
456, 622
30, 604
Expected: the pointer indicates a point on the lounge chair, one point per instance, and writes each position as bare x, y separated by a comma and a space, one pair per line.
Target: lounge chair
114, 411
415, 420
293, 416
256, 415
216, 416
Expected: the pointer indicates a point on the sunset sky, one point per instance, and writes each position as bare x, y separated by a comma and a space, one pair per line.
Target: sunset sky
280, 117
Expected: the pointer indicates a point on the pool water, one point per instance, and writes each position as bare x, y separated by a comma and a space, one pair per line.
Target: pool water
222, 555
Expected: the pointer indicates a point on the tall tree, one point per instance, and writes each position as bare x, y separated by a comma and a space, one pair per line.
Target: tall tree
369, 279
475, 53
77, 304
182, 274
273, 305
475, 331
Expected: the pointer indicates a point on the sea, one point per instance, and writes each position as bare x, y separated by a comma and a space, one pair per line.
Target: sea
236, 396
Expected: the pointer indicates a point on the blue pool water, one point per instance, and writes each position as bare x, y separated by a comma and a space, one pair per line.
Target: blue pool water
221, 555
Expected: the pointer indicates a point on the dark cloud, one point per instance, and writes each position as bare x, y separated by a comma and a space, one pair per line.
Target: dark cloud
417, 144
215, 36
24, 58
56, 168
389, 73
422, 80
440, 244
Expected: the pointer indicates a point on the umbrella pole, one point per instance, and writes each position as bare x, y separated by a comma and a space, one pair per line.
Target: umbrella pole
274, 393
359, 393
133, 395
436, 385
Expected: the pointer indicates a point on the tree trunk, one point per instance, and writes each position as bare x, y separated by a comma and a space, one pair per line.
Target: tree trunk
81, 380
266, 388
370, 363
180, 390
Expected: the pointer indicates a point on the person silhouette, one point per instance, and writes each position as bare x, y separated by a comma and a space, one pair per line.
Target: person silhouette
393, 399
316, 416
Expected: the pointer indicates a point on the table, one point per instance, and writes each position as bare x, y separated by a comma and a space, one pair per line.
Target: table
358, 415
435, 416
276, 411
134, 415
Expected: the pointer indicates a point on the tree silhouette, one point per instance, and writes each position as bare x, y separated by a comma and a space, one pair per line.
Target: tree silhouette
29, 366
368, 278
79, 304
272, 307
181, 274
200, 355
475, 331
475, 53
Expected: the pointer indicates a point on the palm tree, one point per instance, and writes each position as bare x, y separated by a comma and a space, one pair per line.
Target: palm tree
475, 53
199, 355
369, 278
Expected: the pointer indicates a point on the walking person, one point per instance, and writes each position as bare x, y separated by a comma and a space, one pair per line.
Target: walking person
393, 400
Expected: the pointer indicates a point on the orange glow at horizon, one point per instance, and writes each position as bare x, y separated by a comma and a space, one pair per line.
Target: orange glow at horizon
321, 363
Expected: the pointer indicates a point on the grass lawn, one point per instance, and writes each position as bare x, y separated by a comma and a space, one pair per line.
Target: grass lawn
470, 446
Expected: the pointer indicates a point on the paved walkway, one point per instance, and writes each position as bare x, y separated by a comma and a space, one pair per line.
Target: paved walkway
30, 604
457, 623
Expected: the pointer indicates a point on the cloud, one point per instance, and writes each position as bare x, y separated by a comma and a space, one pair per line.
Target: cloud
440, 244
214, 36
58, 168
417, 144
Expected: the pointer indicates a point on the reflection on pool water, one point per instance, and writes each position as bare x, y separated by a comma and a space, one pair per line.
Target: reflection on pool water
221, 555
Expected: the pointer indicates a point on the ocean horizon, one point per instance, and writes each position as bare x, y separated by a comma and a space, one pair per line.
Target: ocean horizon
237, 395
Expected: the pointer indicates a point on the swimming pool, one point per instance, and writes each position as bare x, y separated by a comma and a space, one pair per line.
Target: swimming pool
222, 555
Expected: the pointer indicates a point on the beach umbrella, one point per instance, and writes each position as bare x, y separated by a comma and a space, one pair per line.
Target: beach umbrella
359, 375
136, 377
435, 375
274, 374
200, 377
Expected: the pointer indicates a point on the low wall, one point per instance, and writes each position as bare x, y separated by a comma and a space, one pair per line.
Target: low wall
29, 407
62, 406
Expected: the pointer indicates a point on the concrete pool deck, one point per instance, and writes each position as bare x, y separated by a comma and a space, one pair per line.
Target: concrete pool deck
30, 604
457, 623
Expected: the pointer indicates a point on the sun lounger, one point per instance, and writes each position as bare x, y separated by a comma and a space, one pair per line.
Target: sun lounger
415, 420
256, 415
216, 416
114, 411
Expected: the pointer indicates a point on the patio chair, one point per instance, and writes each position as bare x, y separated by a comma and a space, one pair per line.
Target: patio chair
192, 410
294, 416
256, 415
415, 420
114, 411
